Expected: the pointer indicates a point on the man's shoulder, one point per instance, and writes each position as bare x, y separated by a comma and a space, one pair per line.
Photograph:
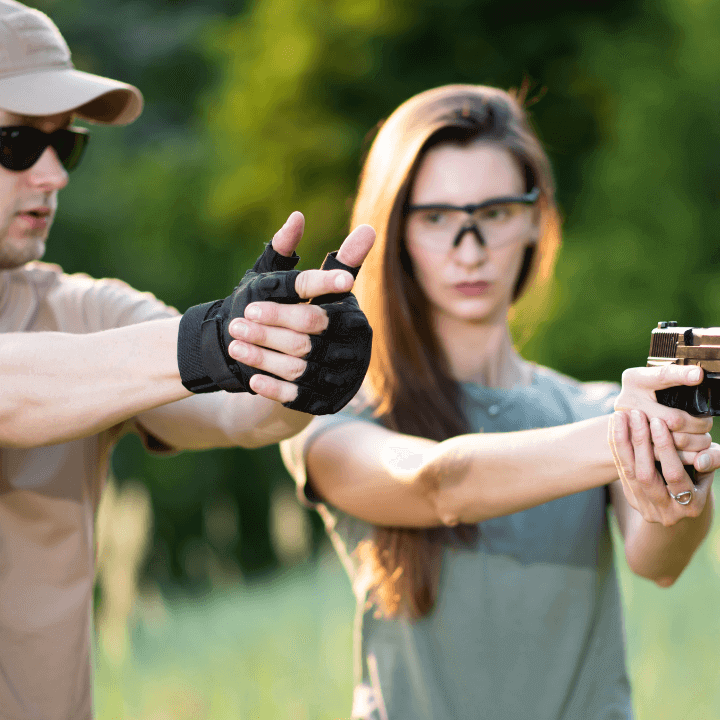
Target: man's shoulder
82, 303
51, 277
38, 274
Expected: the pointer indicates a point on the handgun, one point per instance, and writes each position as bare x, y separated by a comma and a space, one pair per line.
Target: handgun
673, 345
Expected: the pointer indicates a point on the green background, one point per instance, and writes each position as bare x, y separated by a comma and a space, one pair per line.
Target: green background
257, 109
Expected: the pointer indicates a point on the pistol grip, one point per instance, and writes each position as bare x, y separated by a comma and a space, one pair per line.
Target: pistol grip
693, 399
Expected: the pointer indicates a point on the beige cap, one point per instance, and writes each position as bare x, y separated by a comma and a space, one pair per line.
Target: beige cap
37, 76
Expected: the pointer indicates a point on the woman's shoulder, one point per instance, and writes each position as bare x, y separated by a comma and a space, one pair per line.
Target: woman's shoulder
587, 399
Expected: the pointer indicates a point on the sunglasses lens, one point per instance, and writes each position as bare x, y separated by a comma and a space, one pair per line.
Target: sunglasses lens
70, 146
21, 147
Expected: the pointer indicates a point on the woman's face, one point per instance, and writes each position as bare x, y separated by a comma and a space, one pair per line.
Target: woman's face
464, 277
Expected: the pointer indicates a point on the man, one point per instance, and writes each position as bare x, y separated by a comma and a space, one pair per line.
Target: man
84, 361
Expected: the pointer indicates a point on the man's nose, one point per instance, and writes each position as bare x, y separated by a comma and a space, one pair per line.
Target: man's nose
48, 172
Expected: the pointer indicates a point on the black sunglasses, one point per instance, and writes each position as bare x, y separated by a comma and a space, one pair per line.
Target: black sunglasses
21, 146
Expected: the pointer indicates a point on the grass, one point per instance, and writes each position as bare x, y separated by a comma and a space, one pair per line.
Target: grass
281, 649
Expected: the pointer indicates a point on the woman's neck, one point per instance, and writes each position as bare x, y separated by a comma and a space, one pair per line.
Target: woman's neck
482, 353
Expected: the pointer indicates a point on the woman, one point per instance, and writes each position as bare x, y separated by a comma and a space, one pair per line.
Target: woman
481, 557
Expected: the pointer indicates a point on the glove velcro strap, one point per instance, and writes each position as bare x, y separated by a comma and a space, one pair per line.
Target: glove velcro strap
218, 365
189, 352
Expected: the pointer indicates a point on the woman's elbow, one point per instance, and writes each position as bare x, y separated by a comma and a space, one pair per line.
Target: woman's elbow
662, 577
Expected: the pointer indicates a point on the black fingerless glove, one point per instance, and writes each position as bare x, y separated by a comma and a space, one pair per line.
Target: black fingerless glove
336, 363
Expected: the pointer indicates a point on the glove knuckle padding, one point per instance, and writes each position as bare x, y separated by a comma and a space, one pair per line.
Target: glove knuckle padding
336, 364
339, 357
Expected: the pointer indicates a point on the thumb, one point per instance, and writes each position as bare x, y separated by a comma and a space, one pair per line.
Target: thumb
287, 238
356, 246
662, 376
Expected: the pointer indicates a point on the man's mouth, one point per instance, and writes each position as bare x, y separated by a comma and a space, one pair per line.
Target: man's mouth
36, 218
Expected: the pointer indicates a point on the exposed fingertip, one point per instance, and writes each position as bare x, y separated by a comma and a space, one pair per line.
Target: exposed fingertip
703, 462
695, 374
258, 383
655, 425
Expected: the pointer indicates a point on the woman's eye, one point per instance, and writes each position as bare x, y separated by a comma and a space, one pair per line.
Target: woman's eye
435, 217
496, 213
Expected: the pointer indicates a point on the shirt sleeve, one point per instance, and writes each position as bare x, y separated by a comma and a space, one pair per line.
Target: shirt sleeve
345, 531
82, 304
294, 452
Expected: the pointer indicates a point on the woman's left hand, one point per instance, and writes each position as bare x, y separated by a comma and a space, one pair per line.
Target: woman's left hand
635, 444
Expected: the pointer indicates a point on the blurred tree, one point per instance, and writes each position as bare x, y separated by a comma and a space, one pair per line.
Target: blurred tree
254, 110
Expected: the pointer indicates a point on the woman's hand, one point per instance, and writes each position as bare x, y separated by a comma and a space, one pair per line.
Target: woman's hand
638, 393
636, 442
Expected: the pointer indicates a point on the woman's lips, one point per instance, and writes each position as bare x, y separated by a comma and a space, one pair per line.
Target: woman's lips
475, 288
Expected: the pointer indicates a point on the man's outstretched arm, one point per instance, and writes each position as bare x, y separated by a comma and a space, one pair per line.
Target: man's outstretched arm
58, 387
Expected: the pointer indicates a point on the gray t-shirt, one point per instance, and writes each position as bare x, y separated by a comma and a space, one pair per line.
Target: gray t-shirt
528, 620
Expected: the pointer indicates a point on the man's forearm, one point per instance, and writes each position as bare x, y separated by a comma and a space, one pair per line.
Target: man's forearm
474, 477
58, 387
223, 420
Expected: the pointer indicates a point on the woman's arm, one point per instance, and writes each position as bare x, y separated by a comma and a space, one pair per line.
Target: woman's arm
387, 478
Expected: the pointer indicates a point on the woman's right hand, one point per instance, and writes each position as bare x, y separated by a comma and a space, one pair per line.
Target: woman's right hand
690, 434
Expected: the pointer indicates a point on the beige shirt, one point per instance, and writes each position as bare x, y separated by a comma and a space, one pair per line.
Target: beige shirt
48, 498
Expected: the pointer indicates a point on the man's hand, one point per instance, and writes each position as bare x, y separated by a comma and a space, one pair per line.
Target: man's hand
274, 337
323, 347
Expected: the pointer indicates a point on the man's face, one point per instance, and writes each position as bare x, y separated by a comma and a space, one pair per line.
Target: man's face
28, 198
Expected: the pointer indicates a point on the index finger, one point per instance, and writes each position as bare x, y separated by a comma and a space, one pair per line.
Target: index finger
287, 238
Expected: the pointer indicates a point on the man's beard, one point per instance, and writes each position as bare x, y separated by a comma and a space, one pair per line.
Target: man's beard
16, 255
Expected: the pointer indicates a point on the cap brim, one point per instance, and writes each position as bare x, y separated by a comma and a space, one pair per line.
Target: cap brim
91, 97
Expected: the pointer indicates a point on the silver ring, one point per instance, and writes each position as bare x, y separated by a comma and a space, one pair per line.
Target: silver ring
686, 497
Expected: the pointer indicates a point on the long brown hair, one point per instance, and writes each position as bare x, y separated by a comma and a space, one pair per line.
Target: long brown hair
408, 382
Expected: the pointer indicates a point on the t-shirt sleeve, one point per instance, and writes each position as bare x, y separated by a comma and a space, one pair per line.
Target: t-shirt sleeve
294, 450
345, 531
82, 304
